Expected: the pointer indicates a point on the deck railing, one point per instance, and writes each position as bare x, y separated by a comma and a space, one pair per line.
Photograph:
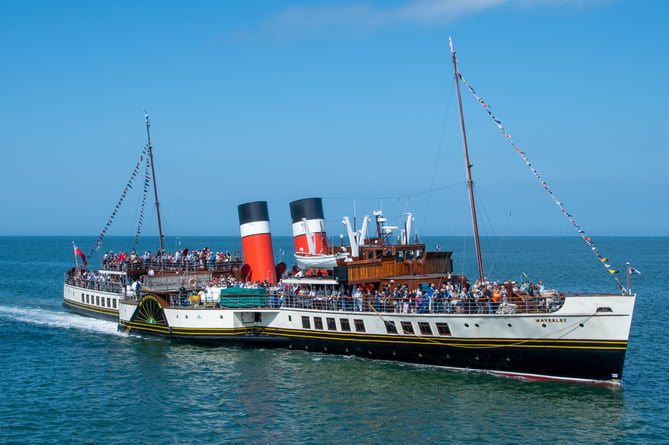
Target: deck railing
115, 288
538, 305
168, 265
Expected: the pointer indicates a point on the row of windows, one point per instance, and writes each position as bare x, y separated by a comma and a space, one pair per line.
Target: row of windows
96, 300
344, 324
391, 327
423, 326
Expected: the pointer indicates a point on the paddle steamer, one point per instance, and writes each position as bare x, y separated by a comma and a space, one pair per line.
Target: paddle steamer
385, 297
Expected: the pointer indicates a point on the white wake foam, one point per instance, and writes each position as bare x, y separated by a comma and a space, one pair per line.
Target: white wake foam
57, 319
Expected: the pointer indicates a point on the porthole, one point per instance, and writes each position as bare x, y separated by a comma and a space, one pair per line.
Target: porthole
466, 325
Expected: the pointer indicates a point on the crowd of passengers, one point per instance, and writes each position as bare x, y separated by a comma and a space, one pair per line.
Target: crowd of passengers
487, 298
202, 258
450, 298
92, 279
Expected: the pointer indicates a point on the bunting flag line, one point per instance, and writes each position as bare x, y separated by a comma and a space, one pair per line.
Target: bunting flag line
124, 193
486, 107
147, 183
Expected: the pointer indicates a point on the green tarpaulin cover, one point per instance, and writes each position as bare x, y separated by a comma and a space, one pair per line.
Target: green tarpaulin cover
243, 297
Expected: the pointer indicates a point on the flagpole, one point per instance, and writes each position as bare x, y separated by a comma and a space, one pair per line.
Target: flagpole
629, 279
76, 262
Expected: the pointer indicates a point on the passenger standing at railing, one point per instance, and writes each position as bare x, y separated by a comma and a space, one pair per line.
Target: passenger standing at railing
486, 300
496, 299
357, 300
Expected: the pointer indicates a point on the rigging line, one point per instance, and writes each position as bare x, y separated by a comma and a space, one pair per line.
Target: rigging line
440, 146
499, 244
588, 240
464, 256
409, 195
489, 226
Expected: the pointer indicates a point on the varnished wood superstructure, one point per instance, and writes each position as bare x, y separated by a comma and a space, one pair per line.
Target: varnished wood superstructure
381, 265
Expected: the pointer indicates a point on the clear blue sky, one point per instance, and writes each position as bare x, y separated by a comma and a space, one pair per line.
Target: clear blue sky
351, 101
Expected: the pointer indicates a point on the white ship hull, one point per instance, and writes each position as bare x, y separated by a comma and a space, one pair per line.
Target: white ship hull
92, 302
585, 340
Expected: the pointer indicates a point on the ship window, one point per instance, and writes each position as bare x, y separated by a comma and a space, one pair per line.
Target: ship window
108, 302
87, 300
97, 300
604, 309
332, 325
82, 298
390, 327
424, 328
407, 327
318, 323
399, 256
359, 325
305, 323
345, 325
114, 303
419, 254
443, 329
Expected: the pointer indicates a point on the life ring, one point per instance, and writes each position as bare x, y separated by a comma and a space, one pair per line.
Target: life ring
192, 282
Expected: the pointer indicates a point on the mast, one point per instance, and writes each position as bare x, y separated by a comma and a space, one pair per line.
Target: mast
155, 187
470, 183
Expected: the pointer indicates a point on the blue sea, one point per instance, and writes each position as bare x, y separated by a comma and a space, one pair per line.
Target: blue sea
70, 379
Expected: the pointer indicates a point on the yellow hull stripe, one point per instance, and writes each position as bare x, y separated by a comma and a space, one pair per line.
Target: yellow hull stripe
88, 308
426, 341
